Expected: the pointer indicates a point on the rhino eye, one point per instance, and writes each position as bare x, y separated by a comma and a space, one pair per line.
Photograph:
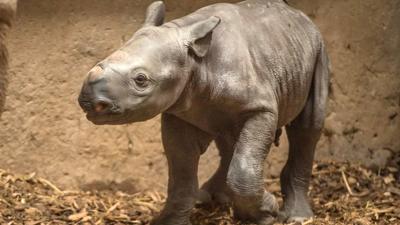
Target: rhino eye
141, 80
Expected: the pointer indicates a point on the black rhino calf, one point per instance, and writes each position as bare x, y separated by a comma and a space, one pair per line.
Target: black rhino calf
232, 73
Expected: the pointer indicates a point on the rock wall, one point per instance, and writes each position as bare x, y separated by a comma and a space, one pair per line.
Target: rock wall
363, 38
54, 43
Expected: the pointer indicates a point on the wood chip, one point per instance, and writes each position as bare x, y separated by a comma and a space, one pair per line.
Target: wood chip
78, 216
341, 193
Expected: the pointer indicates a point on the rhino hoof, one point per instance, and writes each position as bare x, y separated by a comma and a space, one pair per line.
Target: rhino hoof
267, 221
205, 197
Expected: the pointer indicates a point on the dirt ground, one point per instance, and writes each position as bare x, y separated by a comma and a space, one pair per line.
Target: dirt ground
341, 194
54, 43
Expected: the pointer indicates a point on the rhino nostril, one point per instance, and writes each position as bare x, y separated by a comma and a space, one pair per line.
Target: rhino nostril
101, 106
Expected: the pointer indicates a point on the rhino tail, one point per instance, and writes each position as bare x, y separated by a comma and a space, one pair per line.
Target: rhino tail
320, 88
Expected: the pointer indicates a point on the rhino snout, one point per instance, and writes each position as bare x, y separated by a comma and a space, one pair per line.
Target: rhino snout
95, 73
93, 98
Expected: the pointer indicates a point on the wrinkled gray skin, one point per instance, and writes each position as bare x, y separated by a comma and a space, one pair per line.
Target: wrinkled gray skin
232, 73
7, 13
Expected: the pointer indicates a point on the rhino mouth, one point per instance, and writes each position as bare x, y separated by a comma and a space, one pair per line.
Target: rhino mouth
104, 119
115, 118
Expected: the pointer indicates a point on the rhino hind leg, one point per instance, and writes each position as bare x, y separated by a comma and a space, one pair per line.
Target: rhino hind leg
7, 14
303, 134
296, 174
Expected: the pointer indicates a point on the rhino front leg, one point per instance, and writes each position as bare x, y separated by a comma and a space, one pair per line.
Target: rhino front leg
215, 189
183, 145
245, 177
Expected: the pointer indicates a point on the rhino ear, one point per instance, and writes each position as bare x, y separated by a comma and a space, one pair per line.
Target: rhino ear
199, 35
155, 14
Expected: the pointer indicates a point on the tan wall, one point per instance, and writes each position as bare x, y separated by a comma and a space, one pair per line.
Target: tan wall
54, 43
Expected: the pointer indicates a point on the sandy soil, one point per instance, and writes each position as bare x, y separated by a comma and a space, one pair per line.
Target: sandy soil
54, 43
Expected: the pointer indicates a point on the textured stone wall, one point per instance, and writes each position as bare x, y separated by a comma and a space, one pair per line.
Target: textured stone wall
54, 43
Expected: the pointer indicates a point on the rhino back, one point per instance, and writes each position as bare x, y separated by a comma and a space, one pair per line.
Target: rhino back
262, 55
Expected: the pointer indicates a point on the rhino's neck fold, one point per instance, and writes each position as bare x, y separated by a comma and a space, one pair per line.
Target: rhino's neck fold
195, 74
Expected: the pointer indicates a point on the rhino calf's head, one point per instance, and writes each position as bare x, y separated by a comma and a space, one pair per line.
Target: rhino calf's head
147, 74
